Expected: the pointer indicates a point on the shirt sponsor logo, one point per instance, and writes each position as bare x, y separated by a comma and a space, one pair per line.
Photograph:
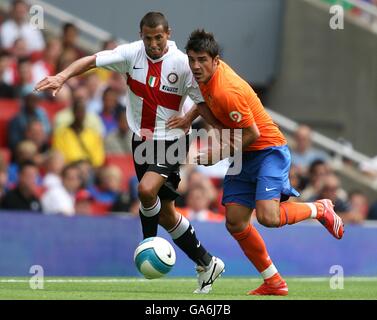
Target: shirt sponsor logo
235, 116
169, 89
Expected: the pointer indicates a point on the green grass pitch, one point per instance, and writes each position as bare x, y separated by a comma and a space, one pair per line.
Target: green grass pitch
170, 288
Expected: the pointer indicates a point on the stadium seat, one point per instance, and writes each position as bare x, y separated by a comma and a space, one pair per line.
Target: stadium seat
8, 110
125, 163
100, 208
51, 108
6, 155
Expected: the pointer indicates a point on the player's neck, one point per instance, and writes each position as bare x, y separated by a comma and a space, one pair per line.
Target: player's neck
164, 52
215, 68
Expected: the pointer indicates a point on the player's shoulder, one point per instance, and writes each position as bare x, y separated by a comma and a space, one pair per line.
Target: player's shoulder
176, 55
131, 47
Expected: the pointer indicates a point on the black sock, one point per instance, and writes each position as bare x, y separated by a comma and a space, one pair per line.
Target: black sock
184, 237
149, 225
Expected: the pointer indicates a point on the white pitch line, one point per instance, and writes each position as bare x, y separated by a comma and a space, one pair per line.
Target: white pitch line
317, 279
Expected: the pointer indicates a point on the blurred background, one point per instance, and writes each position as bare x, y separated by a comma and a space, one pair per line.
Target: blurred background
75, 211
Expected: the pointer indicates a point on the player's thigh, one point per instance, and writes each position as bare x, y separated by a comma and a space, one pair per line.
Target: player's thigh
241, 188
237, 217
273, 176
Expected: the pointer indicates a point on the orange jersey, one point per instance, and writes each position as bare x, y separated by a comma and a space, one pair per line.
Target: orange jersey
235, 104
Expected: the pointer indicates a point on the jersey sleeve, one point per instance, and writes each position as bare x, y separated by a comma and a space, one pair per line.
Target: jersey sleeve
239, 110
115, 60
192, 89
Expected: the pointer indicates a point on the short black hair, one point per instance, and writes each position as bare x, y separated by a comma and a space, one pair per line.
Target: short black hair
202, 41
25, 164
68, 167
69, 25
153, 20
314, 164
4, 54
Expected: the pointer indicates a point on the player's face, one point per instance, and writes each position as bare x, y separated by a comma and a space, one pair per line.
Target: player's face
202, 65
155, 41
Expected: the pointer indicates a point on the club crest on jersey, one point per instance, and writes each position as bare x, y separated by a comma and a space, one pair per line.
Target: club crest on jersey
235, 116
172, 77
152, 81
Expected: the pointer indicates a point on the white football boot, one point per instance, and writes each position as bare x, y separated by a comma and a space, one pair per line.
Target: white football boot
208, 275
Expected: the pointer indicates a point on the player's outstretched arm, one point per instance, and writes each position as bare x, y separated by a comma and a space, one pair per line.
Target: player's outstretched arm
55, 83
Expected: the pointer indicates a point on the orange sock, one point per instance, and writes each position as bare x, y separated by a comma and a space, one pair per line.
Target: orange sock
254, 248
293, 212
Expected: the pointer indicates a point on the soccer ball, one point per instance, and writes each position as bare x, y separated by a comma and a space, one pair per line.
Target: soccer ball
154, 257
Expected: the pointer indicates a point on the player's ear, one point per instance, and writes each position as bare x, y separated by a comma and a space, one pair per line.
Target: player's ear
216, 60
168, 33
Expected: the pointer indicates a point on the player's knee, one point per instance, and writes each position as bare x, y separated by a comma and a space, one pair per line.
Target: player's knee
268, 220
146, 192
235, 226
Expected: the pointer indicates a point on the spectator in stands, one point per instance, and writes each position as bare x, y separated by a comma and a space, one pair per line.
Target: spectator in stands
24, 78
18, 26
65, 117
303, 153
119, 141
95, 91
372, 213
108, 186
29, 111
297, 181
83, 203
61, 198
19, 51
110, 107
87, 172
318, 171
70, 39
103, 74
124, 203
36, 133
195, 178
68, 56
4, 185
47, 65
359, 207
77, 142
24, 196
54, 165
109, 44
64, 98
117, 82
7, 91
198, 203
332, 190
26, 151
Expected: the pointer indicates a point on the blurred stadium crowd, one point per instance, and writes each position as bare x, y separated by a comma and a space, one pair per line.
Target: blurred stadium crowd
71, 154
